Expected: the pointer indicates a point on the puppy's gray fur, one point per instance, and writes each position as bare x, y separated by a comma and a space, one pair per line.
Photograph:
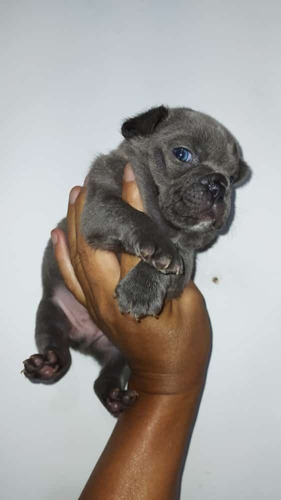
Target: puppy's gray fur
183, 214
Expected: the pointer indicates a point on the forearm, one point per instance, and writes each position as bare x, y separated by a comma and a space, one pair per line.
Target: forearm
144, 456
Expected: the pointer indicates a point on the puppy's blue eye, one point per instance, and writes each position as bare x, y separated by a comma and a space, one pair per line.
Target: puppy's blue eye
231, 179
182, 154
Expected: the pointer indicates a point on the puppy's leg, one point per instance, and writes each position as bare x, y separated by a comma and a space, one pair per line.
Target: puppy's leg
121, 228
110, 385
51, 334
143, 290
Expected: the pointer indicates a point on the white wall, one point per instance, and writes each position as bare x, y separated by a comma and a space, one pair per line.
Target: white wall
70, 72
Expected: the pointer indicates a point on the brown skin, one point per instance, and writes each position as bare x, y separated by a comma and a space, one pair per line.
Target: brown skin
168, 358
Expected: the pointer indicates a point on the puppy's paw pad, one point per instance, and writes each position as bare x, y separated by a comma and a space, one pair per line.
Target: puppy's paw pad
119, 400
40, 367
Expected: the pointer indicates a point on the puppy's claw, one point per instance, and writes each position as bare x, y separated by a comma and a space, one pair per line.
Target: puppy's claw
161, 254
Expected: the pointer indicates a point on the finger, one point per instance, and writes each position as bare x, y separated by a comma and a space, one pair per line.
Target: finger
102, 271
71, 226
73, 230
65, 266
192, 295
73, 236
78, 209
101, 268
75, 208
71, 275
131, 195
130, 191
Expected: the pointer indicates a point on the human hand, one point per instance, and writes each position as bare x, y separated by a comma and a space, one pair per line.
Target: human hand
168, 355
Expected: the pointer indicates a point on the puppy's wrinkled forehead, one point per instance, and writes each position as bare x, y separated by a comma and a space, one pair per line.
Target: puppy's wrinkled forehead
186, 141
202, 134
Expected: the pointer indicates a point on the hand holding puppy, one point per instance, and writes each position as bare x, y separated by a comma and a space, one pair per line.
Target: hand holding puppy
168, 355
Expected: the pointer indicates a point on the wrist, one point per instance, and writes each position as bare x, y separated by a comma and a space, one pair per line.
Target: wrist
165, 408
172, 384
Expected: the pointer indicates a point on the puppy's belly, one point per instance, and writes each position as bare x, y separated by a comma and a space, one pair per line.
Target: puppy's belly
83, 328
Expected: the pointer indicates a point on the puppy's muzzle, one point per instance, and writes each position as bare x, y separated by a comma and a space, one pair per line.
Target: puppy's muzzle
215, 186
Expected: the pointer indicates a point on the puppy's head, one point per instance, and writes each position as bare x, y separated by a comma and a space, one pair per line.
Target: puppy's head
195, 163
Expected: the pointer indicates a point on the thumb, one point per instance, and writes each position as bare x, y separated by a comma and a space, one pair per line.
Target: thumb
130, 191
131, 195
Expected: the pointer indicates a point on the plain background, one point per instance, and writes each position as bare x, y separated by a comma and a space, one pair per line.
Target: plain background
70, 72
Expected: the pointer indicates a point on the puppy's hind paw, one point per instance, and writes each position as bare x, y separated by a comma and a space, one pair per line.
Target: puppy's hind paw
119, 400
41, 367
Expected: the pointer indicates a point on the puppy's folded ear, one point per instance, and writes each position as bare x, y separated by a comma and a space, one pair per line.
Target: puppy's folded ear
145, 123
244, 173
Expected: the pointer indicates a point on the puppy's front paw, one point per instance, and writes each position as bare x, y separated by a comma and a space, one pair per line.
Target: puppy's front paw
141, 292
161, 254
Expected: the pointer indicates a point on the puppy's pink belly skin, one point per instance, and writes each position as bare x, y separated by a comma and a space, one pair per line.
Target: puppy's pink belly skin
83, 328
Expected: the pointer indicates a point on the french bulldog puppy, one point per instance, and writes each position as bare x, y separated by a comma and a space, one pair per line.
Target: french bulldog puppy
186, 166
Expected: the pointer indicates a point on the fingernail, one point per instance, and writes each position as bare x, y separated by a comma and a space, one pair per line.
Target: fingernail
73, 195
54, 237
129, 175
86, 181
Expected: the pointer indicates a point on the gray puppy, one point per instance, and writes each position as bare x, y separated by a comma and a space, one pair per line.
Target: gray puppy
186, 164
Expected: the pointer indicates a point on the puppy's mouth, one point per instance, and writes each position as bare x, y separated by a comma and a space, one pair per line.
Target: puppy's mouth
213, 218
190, 219
199, 207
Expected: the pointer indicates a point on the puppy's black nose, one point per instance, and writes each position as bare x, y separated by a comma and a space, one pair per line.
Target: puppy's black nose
215, 184
217, 190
